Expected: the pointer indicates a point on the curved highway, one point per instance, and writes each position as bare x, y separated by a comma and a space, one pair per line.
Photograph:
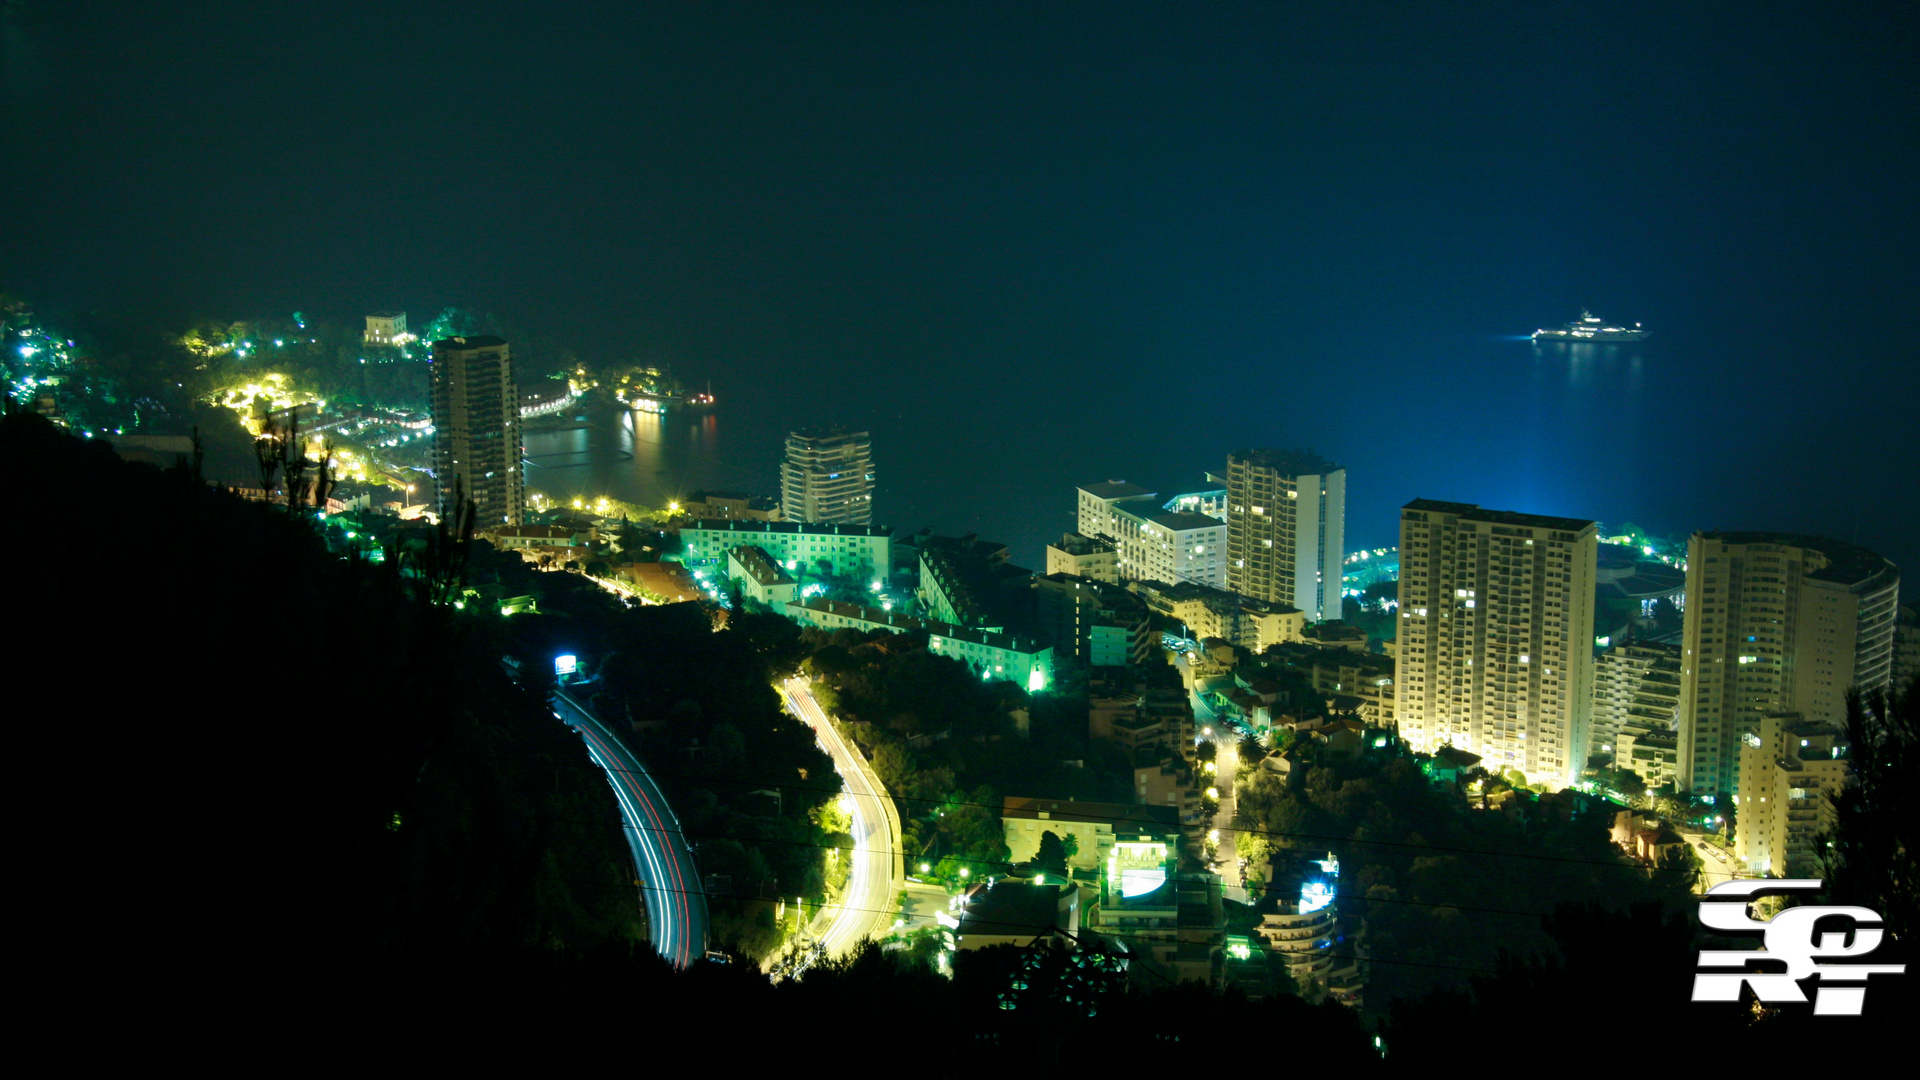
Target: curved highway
868, 906
676, 897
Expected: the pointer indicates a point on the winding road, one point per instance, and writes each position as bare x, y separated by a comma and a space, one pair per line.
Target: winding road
676, 896
868, 906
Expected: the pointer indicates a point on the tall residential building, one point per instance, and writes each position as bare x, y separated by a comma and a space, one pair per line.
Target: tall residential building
827, 478
1775, 623
1634, 683
476, 429
1495, 649
1286, 529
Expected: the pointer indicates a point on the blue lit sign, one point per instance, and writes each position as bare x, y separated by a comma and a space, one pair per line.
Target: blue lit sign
566, 665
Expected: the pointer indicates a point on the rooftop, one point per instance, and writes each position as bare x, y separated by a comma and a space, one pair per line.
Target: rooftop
1121, 816
1286, 462
798, 528
880, 617
482, 341
766, 572
1115, 489
1179, 521
1500, 517
1012, 908
827, 434
1848, 564
1075, 544
1456, 757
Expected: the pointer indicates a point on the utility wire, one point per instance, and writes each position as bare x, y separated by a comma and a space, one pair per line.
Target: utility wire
996, 811
1121, 935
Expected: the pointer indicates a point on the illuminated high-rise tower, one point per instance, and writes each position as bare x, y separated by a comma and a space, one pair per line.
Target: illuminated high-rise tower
476, 429
1775, 623
1286, 526
1495, 647
827, 478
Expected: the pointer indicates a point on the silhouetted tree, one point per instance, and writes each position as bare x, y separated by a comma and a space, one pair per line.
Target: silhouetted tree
1872, 852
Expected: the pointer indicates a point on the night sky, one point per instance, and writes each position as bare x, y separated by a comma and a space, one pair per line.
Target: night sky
1035, 245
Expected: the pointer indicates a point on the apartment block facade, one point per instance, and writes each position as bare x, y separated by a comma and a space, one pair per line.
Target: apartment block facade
827, 478
1286, 529
476, 430
1495, 653
1775, 623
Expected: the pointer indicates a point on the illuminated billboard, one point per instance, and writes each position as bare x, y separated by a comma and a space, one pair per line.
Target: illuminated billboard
1136, 868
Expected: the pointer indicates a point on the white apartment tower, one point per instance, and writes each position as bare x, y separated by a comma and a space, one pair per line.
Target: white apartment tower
1495, 652
476, 429
1151, 543
1286, 529
827, 478
1775, 623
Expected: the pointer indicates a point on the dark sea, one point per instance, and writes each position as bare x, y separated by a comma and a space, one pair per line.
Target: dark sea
1729, 423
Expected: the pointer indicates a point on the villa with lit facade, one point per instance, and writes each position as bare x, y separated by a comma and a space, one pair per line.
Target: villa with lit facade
387, 328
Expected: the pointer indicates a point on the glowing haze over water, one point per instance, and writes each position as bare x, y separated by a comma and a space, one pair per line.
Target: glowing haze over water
1035, 246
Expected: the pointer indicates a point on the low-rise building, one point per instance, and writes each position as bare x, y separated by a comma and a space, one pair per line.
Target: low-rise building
1165, 545
1151, 543
1648, 748
1172, 782
1450, 764
538, 536
1209, 612
759, 577
1790, 768
387, 328
660, 582
1338, 634
730, 506
854, 553
991, 654
1091, 623
1102, 834
1360, 683
967, 589
1017, 913
1085, 557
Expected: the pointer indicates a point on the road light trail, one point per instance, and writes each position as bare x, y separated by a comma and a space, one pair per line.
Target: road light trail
877, 873
676, 902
